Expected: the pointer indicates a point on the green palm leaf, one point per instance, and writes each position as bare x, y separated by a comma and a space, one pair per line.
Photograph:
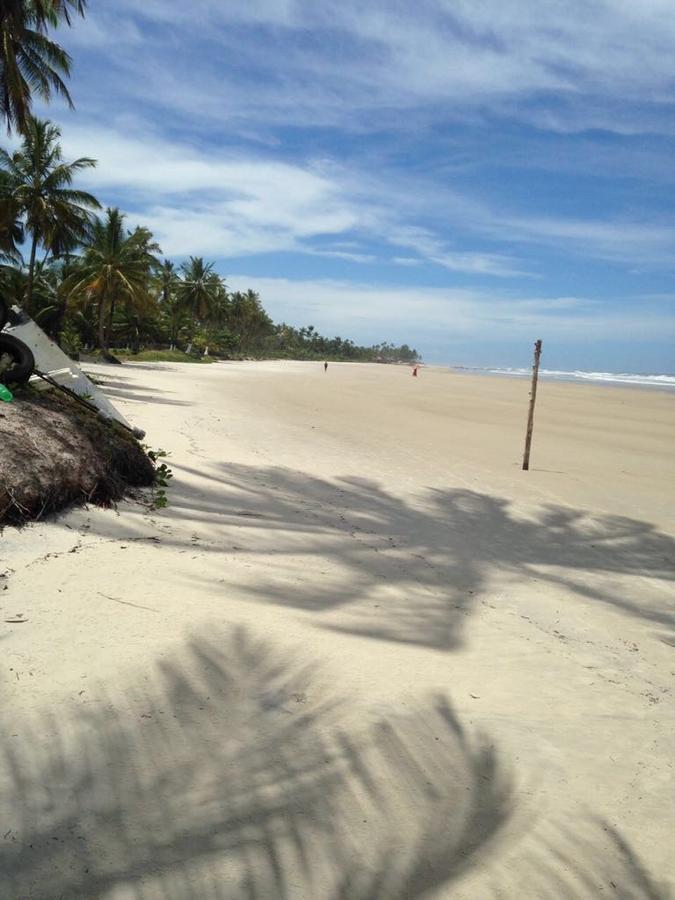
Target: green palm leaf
115, 269
37, 187
31, 63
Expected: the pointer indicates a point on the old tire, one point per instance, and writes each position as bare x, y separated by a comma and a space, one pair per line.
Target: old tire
16, 360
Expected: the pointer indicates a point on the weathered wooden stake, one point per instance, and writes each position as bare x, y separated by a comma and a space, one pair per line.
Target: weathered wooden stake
533, 397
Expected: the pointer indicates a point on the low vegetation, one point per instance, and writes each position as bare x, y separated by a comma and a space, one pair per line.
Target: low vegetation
158, 356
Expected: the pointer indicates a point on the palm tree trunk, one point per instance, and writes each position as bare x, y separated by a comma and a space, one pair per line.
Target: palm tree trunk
193, 327
110, 318
28, 301
101, 326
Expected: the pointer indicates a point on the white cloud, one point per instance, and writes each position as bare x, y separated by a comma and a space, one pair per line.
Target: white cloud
416, 313
344, 254
433, 250
218, 204
223, 204
407, 261
618, 240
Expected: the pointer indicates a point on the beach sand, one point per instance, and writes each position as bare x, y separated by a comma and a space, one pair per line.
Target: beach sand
361, 654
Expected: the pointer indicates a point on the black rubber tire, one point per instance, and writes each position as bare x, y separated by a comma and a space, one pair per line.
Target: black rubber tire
4, 313
23, 362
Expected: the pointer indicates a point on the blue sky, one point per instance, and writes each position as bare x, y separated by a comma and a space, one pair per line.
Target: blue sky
462, 175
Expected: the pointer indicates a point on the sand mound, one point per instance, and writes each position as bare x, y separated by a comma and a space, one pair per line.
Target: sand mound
53, 452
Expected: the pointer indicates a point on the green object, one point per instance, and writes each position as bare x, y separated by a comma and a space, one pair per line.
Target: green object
6, 394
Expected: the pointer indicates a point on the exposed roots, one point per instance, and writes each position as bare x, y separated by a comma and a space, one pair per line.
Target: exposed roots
54, 453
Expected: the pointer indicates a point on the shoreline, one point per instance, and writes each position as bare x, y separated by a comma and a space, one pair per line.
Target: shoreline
595, 379
592, 379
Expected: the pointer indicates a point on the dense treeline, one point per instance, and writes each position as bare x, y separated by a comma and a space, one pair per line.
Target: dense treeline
92, 282
307, 343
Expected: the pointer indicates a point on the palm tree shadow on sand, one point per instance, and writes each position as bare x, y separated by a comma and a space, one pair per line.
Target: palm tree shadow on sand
229, 773
413, 570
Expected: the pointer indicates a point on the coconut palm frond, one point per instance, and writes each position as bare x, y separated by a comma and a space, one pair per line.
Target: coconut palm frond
36, 190
30, 62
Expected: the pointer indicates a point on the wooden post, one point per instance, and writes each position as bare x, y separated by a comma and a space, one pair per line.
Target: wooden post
533, 397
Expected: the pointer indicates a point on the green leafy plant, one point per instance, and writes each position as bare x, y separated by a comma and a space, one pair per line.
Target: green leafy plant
163, 474
71, 342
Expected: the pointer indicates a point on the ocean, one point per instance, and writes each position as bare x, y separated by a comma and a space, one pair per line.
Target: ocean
618, 379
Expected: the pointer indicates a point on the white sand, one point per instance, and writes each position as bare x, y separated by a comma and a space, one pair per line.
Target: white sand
380, 526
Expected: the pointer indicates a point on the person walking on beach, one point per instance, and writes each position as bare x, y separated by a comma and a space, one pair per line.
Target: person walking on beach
415, 371
325, 366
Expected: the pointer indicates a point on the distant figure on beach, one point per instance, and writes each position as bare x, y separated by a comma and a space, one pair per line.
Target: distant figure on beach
325, 366
415, 371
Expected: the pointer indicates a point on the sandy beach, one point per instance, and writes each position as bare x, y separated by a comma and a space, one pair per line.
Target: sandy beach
361, 654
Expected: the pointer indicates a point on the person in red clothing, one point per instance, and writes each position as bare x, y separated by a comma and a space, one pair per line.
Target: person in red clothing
415, 368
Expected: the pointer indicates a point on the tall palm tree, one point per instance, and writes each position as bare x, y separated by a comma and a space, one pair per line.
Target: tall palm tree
248, 321
167, 281
29, 61
199, 290
38, 182
12, 232
116, 266
172, 309
50, 299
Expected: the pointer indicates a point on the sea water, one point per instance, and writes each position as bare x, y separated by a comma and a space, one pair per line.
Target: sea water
627, 379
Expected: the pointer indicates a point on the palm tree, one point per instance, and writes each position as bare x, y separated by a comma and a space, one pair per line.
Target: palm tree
50, 298
200, 289
173, 313
53, 11
38, 183
248, 321
167, 281
116, 266
136, 327
29, 61
12, 233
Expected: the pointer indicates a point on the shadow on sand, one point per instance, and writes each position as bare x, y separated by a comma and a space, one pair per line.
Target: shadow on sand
229, 773
122, 387
409, 570
413, 570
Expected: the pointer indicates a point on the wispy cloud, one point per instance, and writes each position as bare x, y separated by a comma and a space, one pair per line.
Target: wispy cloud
343, 254
431, 249
357, 64
245, 72
407, 261
641, 242
221, 203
